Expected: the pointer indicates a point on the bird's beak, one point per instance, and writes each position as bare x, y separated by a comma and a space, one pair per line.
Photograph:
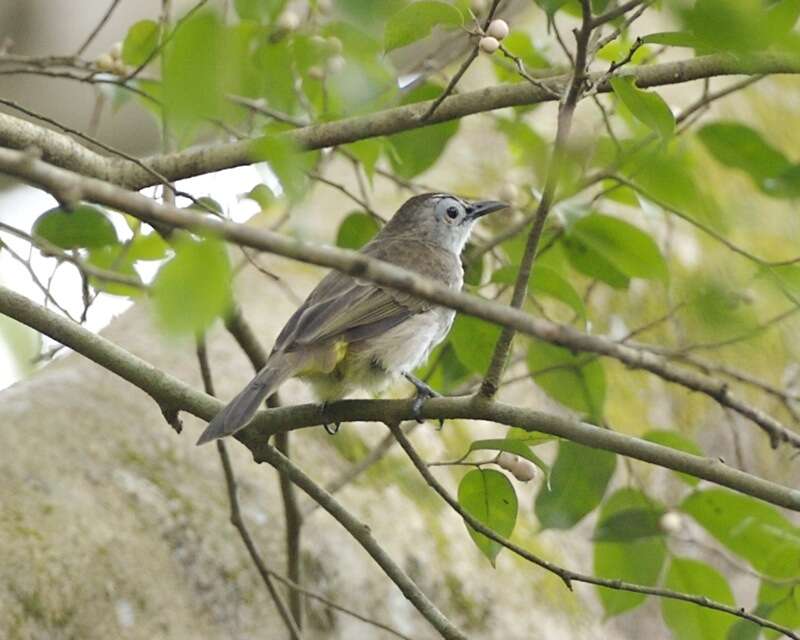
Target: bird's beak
477, 210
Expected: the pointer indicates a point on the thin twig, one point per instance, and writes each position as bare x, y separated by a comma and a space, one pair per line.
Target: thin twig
236, 516
566, 575
97, 28
462, 69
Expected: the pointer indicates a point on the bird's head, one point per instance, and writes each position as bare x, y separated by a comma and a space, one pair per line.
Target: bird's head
440, 218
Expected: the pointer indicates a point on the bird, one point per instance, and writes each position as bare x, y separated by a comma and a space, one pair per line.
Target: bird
352, 334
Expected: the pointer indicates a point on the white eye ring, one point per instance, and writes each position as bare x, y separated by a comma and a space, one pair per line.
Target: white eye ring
449, 209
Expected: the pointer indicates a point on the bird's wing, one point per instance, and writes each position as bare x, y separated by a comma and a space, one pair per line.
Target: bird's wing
342, 307
347, 308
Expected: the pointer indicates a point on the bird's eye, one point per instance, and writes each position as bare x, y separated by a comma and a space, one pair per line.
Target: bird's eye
452, 212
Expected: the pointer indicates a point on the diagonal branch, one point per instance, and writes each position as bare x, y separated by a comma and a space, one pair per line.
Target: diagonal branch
173, 394
236, 515
65, 152
566, 111
567, 575
70, 188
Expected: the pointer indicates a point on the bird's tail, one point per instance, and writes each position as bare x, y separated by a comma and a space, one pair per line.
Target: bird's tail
237, 412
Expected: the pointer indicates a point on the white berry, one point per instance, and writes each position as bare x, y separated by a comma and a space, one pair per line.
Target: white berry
104, 62
497, 29
488, 44
116, 50
507, 460
671, 522
524, 470
316, 73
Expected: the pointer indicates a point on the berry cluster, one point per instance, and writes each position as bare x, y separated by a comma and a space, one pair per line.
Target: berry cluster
496, 31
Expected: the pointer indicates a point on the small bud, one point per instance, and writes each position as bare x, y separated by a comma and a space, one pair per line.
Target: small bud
324, 6
116, 51
497, 29
289, 21
671, 522
336, 64
524, 470
104, 62
335, 45
318, 41
316, 73
488, 44
507, 460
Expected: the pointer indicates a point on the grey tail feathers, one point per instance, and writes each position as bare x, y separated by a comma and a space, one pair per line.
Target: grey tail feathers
237, 412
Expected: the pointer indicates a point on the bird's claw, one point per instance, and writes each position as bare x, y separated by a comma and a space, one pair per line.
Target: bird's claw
424, 391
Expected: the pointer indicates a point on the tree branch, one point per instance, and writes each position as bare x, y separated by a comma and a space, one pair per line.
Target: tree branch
170, 392
567, 575
566, 110
236, 515
68, 186
65, 152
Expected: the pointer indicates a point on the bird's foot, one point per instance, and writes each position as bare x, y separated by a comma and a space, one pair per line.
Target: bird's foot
424, 391
331, 428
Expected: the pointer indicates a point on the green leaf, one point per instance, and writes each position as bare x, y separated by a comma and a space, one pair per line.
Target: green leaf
784, 185
417, 20
367, 152
749, 528
741, 26
206, 204
416, 150
687, 621
275, 61
578, 481
117, 260
259, 10
194, 288
140, 42
473, 340
147, 247
511, 445
778, 602
646, 106
678, 442
287, 161
630, 524
545, 281
613, 250
531, 438
356, 230
473, 270
741, 147
551, 6
635, 560
84, 227
575, 380
445, 371
488, 496
193, 70
671, 39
